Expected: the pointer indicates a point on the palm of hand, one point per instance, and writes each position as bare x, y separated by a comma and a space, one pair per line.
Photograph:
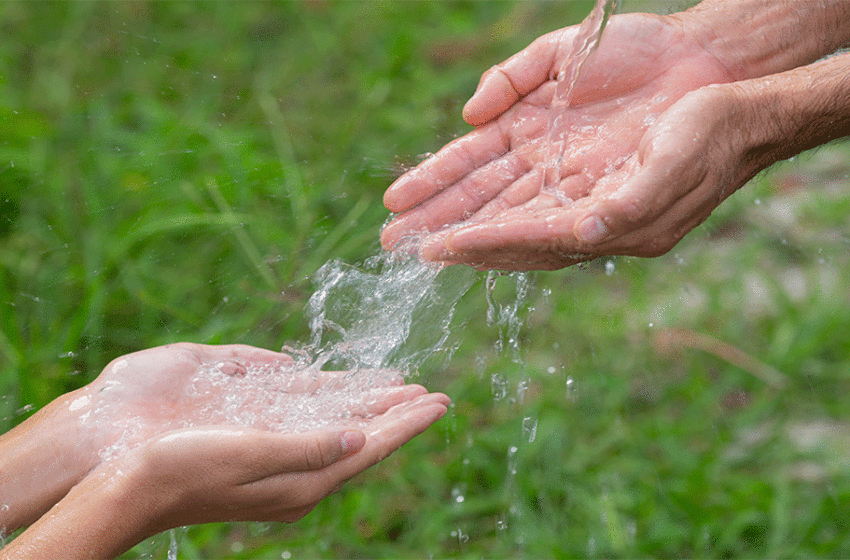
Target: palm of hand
156, 391
492, 179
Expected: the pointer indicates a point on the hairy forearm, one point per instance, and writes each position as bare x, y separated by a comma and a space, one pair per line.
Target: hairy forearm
40, 460
754, 38
795, 110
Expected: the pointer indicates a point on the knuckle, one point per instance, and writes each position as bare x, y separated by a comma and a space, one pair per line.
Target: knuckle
315, 456
632, 211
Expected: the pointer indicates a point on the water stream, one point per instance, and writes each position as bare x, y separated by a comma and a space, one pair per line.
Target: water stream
566, 79
390, 315
387, 316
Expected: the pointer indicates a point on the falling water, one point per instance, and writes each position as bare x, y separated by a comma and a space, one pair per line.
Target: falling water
370, 324
583, 45
372, 321
385, 316
393, 311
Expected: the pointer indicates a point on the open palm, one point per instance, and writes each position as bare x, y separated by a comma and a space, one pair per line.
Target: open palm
155, 391
481, 201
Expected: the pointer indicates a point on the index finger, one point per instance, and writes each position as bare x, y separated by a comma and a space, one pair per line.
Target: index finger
452, 163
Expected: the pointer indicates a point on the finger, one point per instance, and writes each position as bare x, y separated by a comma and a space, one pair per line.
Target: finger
523, 200
378, 401
390, 431
670, 227
363, 379
457, 203
506, 83
524, 189
535, 233
270, 454
523, 260
375, 378
308, 457
451, 164
246, 354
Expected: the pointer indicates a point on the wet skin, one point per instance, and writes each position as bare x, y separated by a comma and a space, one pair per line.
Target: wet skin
49, 460
479, 200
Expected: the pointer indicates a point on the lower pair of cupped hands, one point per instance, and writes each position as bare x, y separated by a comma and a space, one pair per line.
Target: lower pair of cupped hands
131, 454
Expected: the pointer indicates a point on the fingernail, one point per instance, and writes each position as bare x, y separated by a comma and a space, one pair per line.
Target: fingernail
352, 441
592, 230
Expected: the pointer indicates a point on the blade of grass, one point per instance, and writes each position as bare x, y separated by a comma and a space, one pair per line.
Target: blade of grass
245, 242
686, 338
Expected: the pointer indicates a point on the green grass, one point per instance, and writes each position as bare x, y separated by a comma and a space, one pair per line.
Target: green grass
179, 171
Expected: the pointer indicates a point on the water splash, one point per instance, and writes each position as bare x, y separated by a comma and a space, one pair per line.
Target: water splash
371, 324
393, 311
568, 76
508, 316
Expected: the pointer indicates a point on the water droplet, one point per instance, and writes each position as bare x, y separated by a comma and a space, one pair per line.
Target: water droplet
571, 389
499, 386
24, 409
529, 428
521, 389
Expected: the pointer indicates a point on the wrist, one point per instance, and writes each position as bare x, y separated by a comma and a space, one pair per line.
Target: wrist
790, 112
107, 513
42, 458
754, 38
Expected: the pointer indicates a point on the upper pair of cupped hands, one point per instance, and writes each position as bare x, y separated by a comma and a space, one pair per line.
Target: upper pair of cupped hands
646, 148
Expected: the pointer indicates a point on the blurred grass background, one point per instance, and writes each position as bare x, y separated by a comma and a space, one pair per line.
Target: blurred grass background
176, 171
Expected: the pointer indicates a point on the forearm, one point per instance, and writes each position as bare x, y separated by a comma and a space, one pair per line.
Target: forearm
40, 460
793, 111
754, 38
100, 518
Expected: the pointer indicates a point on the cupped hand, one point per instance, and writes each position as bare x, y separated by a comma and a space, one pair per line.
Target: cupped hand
481, 200
215, 473
200, 475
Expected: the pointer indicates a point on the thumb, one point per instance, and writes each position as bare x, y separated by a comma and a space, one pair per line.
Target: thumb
309, 451
318, 451
495, 95
654, 190
636, 203
504, 84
